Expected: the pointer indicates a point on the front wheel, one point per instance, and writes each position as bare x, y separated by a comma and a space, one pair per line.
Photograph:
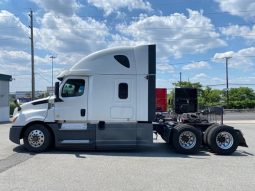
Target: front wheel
186, 139
223, 140
37, 138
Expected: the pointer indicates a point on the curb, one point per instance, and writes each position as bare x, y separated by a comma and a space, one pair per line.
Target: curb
239, 121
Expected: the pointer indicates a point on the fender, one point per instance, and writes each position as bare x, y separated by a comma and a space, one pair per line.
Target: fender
242, 141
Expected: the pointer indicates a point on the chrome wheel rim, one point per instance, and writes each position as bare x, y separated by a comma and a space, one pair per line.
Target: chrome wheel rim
224, 140
187, 139
36, 138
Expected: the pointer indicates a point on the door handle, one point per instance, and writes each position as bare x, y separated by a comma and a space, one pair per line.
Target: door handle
83, 112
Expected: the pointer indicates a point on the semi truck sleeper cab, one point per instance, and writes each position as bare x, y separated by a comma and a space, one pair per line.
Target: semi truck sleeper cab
107, 101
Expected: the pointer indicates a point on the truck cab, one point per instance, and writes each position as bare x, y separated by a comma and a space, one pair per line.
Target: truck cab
105, 101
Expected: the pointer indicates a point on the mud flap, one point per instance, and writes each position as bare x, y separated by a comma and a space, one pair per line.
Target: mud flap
242, 141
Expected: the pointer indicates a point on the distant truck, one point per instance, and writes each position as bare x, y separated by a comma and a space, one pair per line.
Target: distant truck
107, 101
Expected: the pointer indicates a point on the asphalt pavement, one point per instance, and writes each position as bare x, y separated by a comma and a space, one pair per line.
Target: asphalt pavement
153, 168
240, 116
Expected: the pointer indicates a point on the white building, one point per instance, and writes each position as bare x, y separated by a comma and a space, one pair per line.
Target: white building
4, 97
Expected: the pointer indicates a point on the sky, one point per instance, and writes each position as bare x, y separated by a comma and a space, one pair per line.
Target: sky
192, 37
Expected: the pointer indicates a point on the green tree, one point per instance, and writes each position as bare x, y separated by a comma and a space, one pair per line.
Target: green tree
186, 84
210, 97
242, 97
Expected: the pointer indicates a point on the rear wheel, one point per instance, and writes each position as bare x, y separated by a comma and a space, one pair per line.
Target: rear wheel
205, 136
186, 139
37, 138
223, 140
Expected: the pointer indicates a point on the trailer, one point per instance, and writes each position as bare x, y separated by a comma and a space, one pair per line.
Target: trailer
107, 101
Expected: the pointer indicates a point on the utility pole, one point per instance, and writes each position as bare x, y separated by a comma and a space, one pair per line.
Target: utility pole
32, 53
180, 78
227, 58
52, 87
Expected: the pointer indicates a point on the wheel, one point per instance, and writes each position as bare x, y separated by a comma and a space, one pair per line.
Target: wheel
205, 136
186, 139
37, 138
223, 140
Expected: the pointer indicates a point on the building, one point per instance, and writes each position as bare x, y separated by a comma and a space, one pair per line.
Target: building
4, 97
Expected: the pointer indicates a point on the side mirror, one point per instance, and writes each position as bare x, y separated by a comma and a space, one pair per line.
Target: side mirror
57, 90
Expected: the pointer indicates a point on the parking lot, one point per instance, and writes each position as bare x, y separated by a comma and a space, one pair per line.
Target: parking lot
154, 168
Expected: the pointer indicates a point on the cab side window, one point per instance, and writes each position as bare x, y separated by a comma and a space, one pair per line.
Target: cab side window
73, 88
123, 91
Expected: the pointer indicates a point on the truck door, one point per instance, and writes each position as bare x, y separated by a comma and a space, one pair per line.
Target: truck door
71, 113
74, 100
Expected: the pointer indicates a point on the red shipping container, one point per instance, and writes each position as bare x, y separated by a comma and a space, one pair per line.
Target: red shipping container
161, 99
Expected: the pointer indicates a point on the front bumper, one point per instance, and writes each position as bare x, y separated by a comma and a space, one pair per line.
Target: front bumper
14, 134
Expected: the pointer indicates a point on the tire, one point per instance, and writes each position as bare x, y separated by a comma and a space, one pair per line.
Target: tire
37, 138
223, 140
186, 139
205, 136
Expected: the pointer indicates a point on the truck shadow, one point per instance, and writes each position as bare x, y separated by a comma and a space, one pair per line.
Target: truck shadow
157, 150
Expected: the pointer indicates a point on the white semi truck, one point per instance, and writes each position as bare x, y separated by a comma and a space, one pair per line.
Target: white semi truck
107, 101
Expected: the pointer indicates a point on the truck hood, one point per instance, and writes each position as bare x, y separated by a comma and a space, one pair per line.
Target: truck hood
34, 104
31, 111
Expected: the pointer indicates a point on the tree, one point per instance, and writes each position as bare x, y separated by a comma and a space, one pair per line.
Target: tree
242, 97
210, 97
185, 84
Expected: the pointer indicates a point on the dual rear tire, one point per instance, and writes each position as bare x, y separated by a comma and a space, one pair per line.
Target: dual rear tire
222, 139
186, 139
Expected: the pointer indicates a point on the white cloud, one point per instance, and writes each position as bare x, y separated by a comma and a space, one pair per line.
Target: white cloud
242, 8
196, 65
164, 83
242, 59
199, 77
164, 68
63, 7
175, 34
241, 31
223, 55
244, 80
71, 35
110, 6
18, 64
205, 80
14, 34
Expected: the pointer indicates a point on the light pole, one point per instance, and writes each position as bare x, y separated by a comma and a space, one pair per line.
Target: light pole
52, 87
227, 58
